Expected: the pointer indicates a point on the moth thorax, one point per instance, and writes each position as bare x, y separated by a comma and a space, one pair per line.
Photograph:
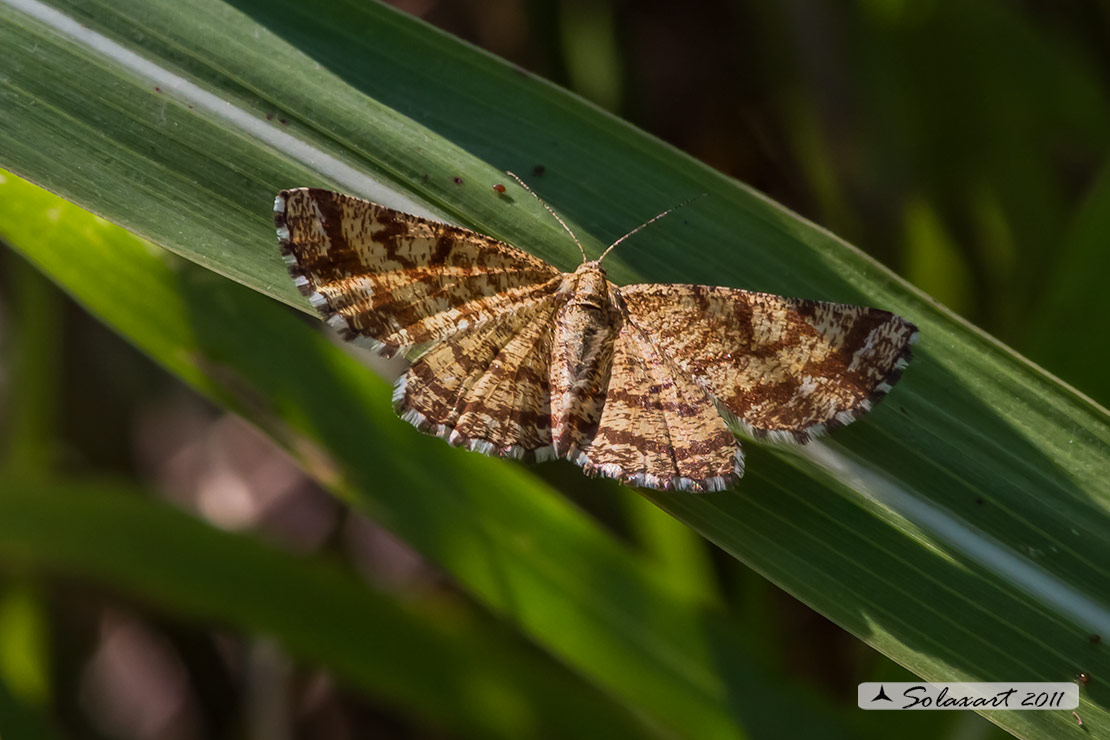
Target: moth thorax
591, 288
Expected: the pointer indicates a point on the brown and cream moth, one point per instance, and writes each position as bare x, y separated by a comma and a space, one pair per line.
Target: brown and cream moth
642, 383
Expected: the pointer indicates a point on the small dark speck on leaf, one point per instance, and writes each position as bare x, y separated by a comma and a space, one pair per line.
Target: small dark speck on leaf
425, 177
499, 188
979, 501
1083, 678
1095, 639
157, 89
269, 116
283, 122
538, 170
457, 180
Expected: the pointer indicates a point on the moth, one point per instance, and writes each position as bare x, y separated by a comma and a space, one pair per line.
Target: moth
642, 383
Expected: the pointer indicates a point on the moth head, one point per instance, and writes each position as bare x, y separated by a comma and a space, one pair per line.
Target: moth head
591, 288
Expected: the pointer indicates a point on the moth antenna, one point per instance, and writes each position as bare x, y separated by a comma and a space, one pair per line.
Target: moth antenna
552, 212
672, 209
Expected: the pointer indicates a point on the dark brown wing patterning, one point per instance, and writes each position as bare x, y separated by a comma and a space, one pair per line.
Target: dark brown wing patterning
514, 358
786, 368
396, 280
487, 388
658, 427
